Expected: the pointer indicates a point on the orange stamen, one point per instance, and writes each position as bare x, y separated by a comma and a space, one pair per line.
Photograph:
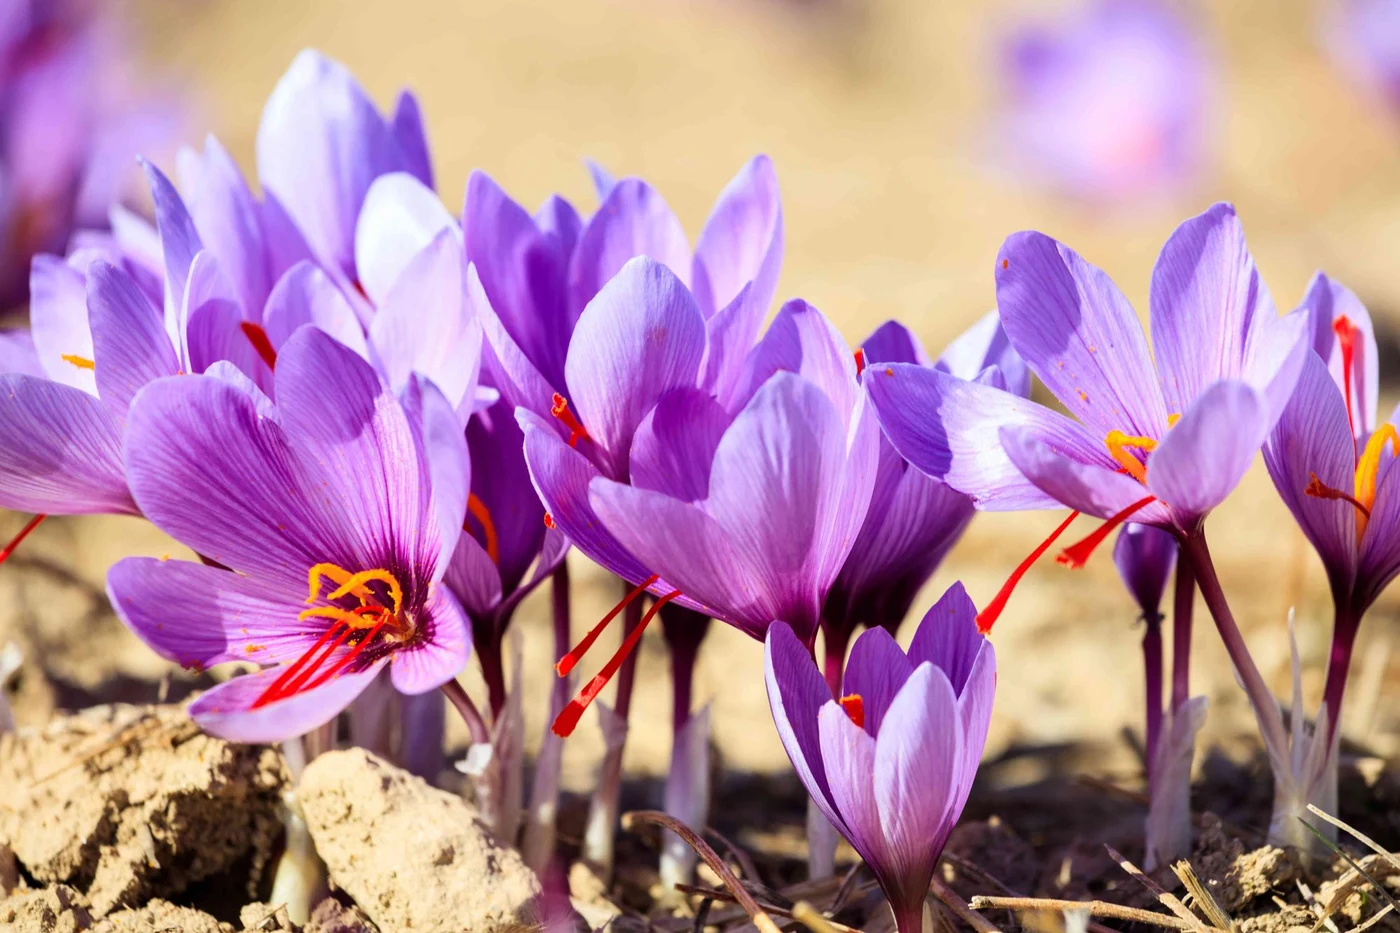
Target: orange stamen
258, 338
860, 360
854, 705
568, 717
1118, 442
81, 362
23, 533
1347, 332
988, 616
478, 510
567, 662
560, 410
1077, 555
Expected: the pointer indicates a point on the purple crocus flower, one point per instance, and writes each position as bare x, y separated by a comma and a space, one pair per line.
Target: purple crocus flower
1145, 557
1364, 36
892, 761
1159, 442
743, 514
1331, 460
913, 520
70, 123
340, 483
1111, 103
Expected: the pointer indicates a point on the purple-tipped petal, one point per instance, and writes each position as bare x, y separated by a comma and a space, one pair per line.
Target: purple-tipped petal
214, 333
409, 132
1325, 302
892, 342
58, 322
742, 242
1206, 296
473, 577
130, 343
440, 655
947, 637
304, 295
674, 446
501, 482
1077, 332
63, 455
802, 340
401, 216
179, 239
227, 219
1145, 557
632, 221
875, 672
981, 345
227, 710
1203, 458
796, 694
642, 337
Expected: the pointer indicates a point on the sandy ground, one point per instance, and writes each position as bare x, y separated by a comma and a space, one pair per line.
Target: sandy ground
875, 114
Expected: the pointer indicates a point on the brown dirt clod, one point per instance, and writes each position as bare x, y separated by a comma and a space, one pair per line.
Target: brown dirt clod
126, 803
160, 916
413, 857
58, 909
1237, 876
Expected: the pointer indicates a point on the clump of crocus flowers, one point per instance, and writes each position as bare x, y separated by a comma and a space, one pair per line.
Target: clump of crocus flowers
379, 426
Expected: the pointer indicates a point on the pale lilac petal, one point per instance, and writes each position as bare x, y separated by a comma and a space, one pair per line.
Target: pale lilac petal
64, 453
226, 710
17, 354
981, 345
948, 428
199, 616
472, 576
304, 295
179, 240
1313, 438
513, 372
213, 333
796, 694
730, 334
137, 238
440, 654
1206, 296
227, 219
802, 340
443, 448
975, 702
1274, 354
848, 754
1090, 485
58, 322
641, 337
675, 445
130, 343
409, 132
875, 672
632, 221
226, 372
742, 242
1205, 456
1077, 332
286, 246
1326, 301
401, 216
947, 637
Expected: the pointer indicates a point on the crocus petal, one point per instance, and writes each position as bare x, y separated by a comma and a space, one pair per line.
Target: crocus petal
443, 449
1089, 485
730, 334
1077, 332
848, 754
63, 455
17, 354
875, 672
892, 342
796, 695
981, 345
304, 295
1145, 557
975, 711
559, 221
473, 577
603, 180
742, 242
512, 371
1326, 301
226, 372
320, 144
400, 217
226, 217
641, 337
58, 322
501, 483
1313, 438
213, 333
947, 637
802, 340
1205, 456
199, 616
412, 137
440, 655
1380, 547
948, 427
130, 343
227, 710
179, 239
1206, 294
675, 445
632, 221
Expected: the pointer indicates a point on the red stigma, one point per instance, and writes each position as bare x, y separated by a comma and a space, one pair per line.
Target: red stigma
1347, 332
567, 662
560, 410
854, 705
860, 360
988, 616
1077, 555
23, 533
549, 521
1318, 490
258, 338
305, 672
568, 718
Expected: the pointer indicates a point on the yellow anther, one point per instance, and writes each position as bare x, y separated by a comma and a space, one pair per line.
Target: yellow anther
1369, 465
337, 574
81, 362
1117, 443
1173, 419
356, 585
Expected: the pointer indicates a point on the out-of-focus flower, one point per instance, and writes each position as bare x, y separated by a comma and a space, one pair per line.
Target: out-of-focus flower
1112, 103
891, 762
341, 483
1145, 557
1364, 38
71, 124
914, 519
1160, 443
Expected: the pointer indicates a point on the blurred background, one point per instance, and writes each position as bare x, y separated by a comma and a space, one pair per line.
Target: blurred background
910, 138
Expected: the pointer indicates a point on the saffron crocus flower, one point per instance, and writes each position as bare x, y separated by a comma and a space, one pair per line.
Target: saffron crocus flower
71, 121
1114, 102
339, 485
890, 762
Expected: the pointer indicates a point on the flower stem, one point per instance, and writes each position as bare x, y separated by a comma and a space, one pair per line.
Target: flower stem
1195, 550
542, 817
1152, 682
1183, 606
1346, 623
476, 726
486, 642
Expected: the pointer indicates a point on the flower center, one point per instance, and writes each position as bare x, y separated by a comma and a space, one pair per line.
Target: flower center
560, 410
362, 624
1368, 465
259, 339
